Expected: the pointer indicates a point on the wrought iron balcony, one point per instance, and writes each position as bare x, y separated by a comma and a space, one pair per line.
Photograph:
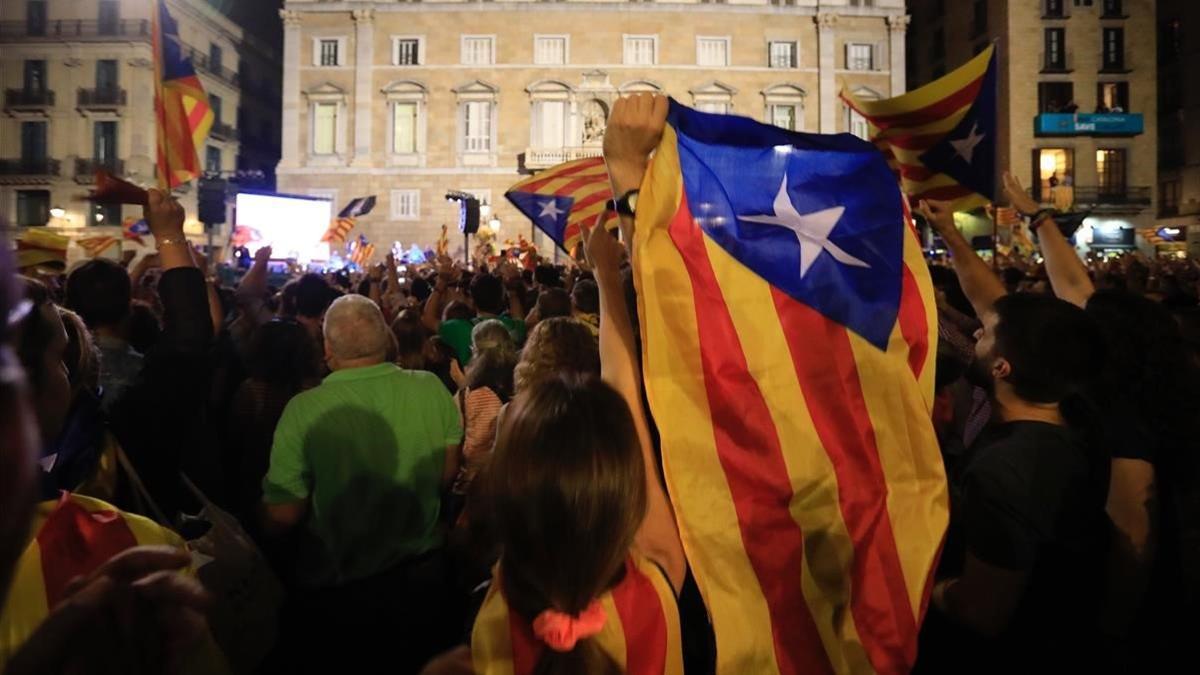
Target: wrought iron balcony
27, 169
107, 98
28, 98
1104, 196
201, 61
85, 169
73, 29
224, 132
544, 158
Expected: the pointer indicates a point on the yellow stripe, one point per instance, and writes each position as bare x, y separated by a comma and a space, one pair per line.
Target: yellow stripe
674, 382
599, 170
917, 500
930, 93
25, 609
582, 191
828, 551
612, 637
942, 126
914, 258
913, 187
491, 646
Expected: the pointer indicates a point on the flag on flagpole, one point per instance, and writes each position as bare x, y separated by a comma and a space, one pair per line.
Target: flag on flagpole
181, 108
338, 230
789, 334
561, 199
94, 246
940, 139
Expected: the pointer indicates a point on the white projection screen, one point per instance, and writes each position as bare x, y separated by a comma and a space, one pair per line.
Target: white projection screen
292, 225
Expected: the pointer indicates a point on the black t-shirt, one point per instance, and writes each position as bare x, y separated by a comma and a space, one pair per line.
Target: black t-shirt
1032, 499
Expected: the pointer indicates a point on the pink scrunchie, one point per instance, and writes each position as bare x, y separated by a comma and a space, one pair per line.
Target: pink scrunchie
560, 631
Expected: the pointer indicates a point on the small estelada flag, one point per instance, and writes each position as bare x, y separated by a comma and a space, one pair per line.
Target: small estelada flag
359, 206
94, 246
338, 230
563, 198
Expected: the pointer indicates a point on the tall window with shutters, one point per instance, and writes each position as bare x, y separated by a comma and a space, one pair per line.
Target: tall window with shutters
1055, 55
329, 52
406, 204
641, 50
477, 50
550, 50
404, 127
477, 126
1114, 49
786, 116
325, 121
549, 124
407, 51
783, 54
859, 57
712, 51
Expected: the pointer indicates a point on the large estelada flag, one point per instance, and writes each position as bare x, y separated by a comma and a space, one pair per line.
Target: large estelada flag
561, 199
182, 112
789, 338
941, 138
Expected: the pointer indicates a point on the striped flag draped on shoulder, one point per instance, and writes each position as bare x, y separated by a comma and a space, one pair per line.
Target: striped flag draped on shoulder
940, 139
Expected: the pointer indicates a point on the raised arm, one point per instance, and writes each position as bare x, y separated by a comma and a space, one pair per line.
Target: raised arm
635, 126
1068, 275
979, 282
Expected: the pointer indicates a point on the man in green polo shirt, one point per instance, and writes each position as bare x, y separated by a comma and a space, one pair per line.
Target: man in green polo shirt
488, 298
360, 461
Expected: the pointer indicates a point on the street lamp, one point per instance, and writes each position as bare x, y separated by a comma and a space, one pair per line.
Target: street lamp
494, 223
57, 212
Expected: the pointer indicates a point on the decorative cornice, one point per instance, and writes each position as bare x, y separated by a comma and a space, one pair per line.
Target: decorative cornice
291, 18
898, 23
826, 20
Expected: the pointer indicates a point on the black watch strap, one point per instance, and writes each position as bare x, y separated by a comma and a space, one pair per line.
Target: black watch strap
623, 204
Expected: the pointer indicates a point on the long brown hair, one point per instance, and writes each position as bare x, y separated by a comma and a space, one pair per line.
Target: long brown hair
567, 494
557, 345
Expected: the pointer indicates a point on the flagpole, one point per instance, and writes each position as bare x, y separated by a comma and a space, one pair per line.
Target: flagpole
996, 168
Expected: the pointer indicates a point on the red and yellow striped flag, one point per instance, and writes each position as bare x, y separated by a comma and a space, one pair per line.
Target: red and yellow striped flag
181, 107
74, 536
940, 139
564, 198
788, 335
94, 246
339, 228
641, 629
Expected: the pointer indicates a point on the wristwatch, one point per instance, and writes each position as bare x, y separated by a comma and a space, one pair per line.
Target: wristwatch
1035, 221
626, 205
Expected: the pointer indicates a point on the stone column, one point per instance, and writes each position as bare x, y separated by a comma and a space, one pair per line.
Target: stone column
290, 150
141, 132
897, 29
826, 65
364, 55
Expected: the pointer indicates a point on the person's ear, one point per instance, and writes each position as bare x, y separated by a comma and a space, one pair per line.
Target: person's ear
1001, 368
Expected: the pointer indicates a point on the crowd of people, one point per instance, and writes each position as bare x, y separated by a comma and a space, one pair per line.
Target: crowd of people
456, 471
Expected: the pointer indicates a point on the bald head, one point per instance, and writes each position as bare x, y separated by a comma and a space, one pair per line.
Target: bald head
355, 331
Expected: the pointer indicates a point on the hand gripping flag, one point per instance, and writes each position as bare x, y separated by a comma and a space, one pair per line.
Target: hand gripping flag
788, 335
941, 139
181, 106
561, 199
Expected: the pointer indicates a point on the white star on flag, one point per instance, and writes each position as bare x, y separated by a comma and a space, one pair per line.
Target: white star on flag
550, 209
811, 229
965, 147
